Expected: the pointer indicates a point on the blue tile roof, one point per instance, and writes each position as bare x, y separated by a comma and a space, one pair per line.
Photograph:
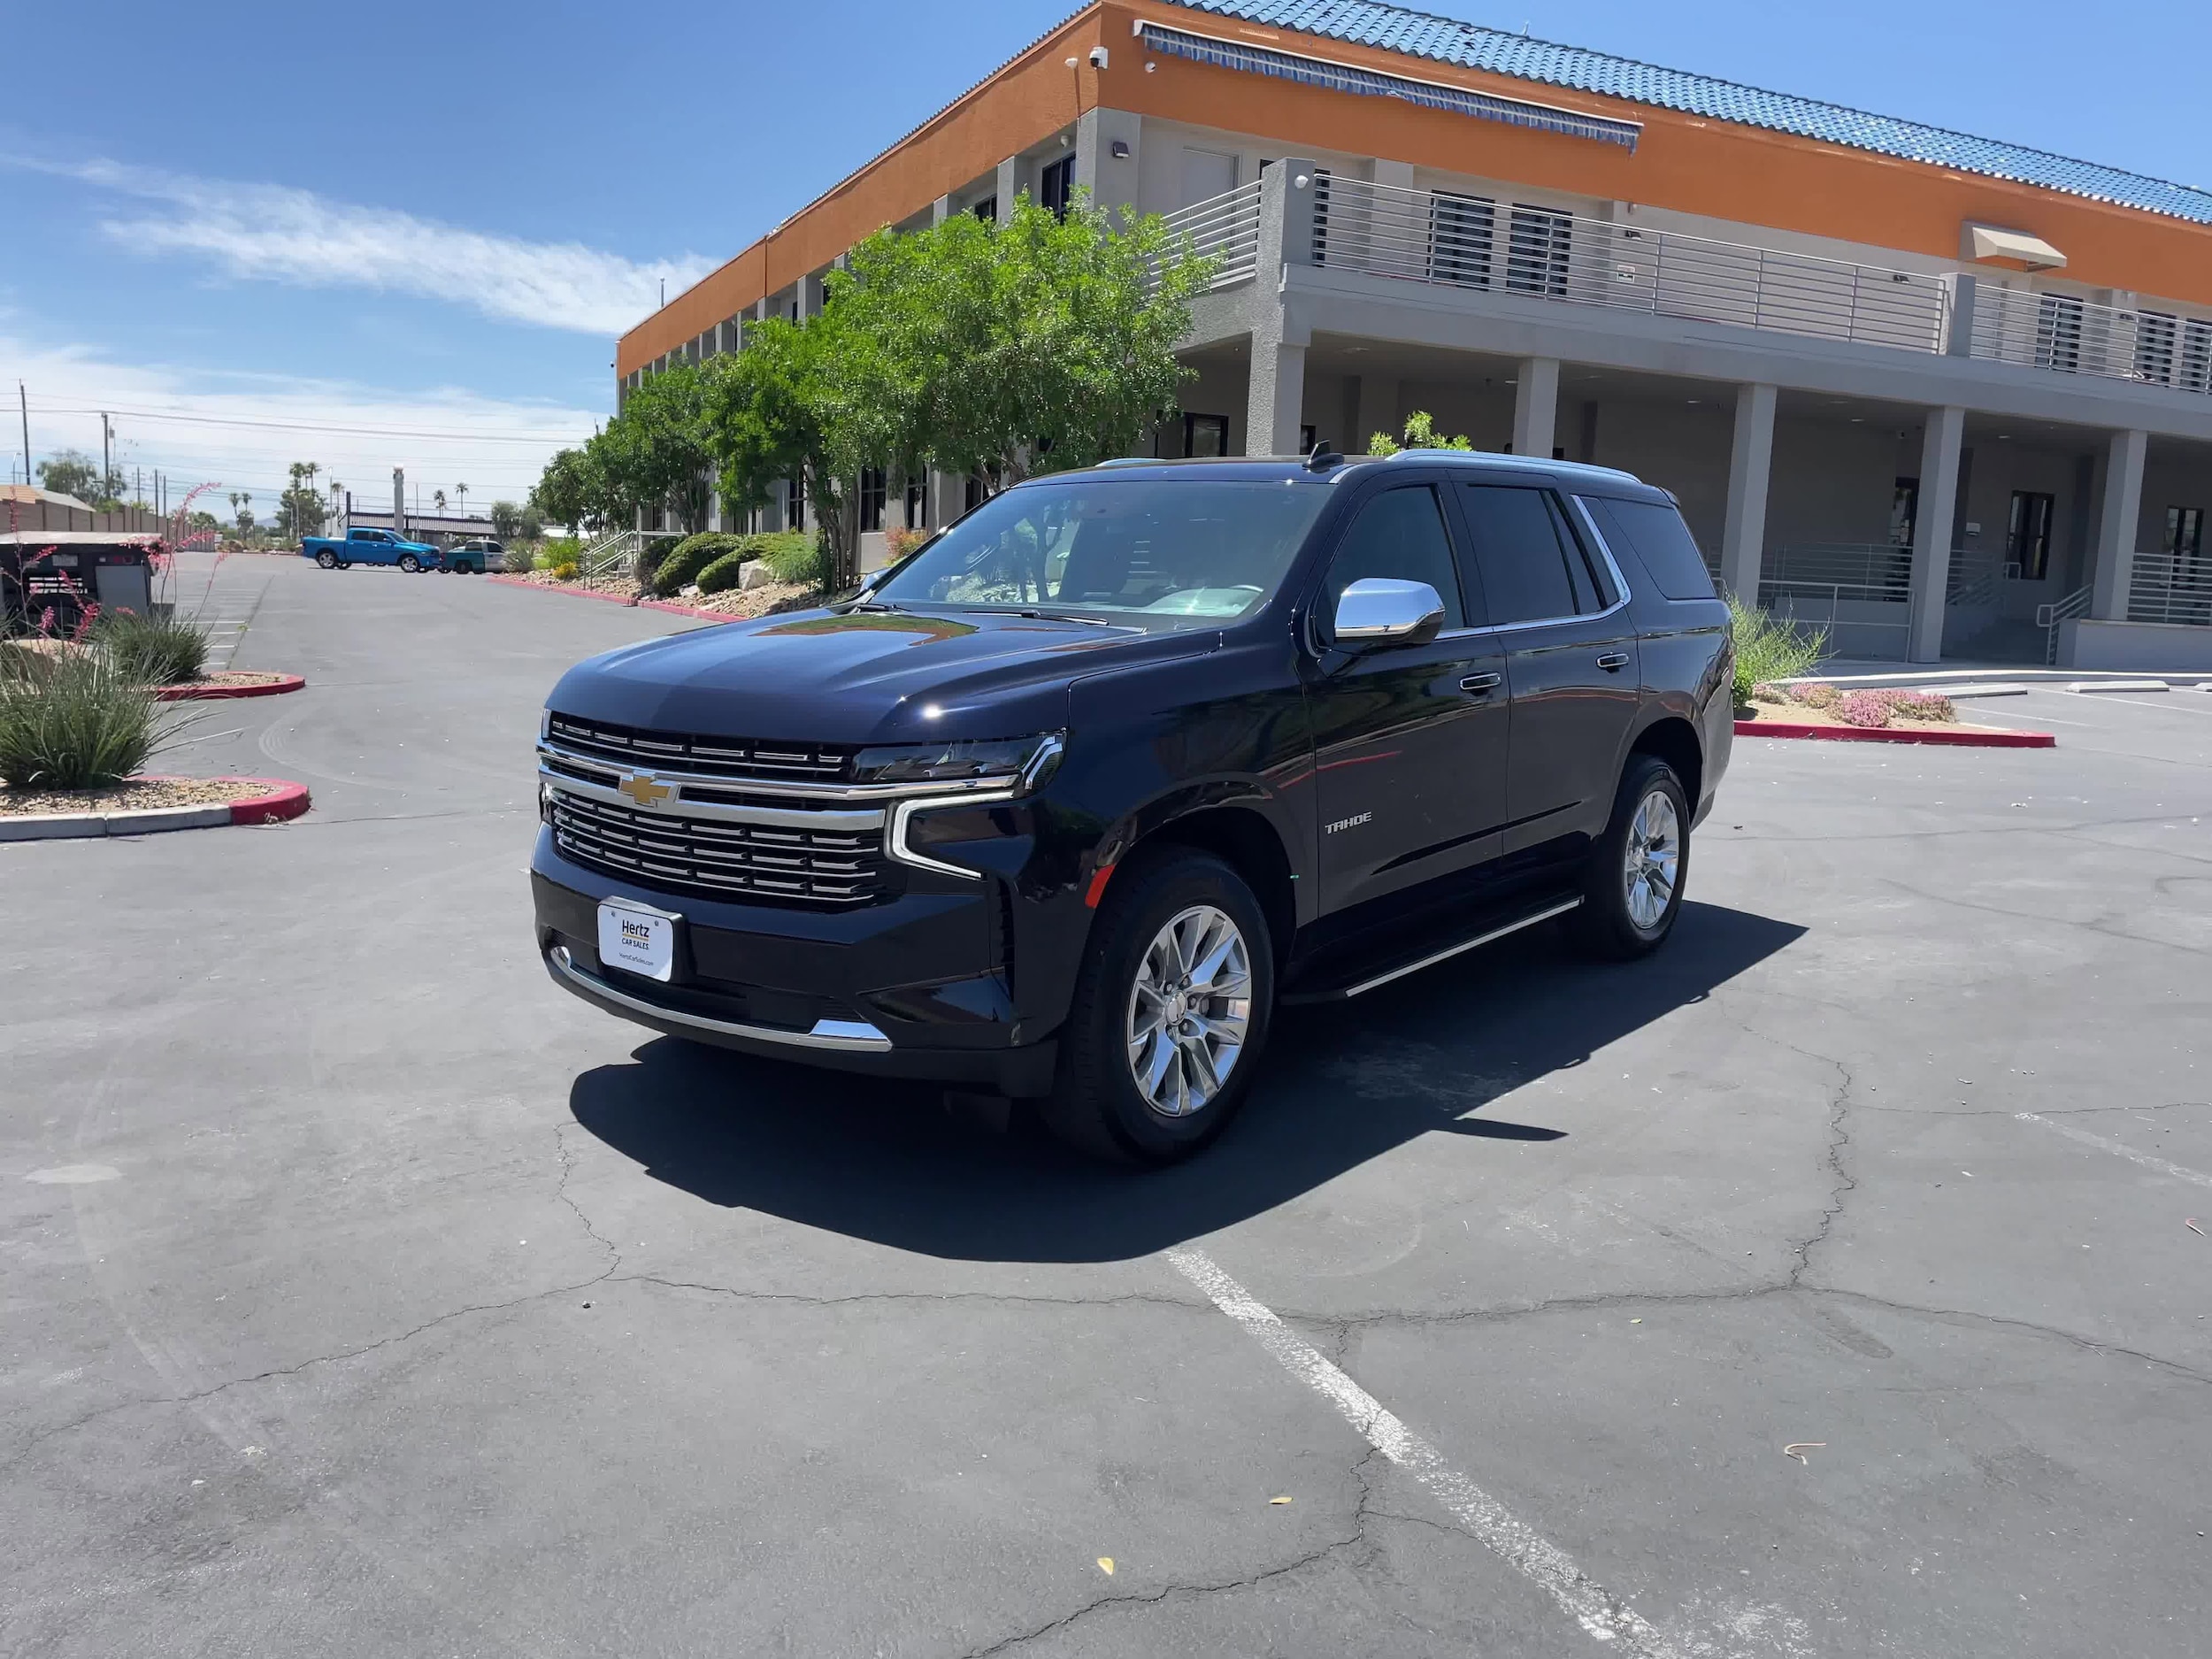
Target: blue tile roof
1469, 45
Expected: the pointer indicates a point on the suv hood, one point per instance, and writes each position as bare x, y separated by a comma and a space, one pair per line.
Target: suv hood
860, 677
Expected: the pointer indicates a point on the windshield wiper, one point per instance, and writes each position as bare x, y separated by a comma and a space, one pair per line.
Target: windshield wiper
882, 606
1062, 616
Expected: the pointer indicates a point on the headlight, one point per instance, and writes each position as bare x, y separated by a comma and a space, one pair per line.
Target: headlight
1008, 758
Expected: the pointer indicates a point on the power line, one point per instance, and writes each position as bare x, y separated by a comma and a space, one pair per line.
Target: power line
290, 425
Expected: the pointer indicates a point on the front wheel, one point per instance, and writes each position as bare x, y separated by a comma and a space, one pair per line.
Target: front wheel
408, 563
1171, 1013
327, 559
1633, 889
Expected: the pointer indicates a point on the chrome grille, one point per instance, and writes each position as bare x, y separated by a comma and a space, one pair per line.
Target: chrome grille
727, 757
717, 858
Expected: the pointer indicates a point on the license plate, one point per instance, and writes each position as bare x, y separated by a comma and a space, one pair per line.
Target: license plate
638, 938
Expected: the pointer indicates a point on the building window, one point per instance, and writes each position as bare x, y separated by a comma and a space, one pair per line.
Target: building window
973, 497
986, 210
1460, 230
2154, 333
2185, 533
2058, 333
1307, 438
872, 494
1904, 511
916, 503
1055, 185
1205, 434
794, 503
2028, 536
1536, 255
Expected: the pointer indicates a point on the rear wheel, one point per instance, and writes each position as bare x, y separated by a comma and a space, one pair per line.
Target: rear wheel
1633, 889
1171, 1013
327, 559
408, 563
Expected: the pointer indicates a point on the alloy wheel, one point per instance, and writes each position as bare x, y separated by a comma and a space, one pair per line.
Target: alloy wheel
1189, 1009
1653, 861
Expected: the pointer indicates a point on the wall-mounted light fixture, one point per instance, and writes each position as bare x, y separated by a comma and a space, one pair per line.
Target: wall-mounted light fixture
1120, 149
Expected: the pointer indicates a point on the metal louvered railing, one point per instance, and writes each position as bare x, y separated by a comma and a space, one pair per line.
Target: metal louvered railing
1225, 228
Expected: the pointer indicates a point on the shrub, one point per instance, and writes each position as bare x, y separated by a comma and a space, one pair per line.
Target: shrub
1865, 707
78, 724
683, 562
1768, 650
567, 571
795, 555
559, 549
898, 541
518, 561
157, 650
1921, 705
723, 574
1820, 695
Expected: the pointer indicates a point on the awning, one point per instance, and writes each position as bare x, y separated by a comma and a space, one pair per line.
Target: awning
1318, 71
2014, 247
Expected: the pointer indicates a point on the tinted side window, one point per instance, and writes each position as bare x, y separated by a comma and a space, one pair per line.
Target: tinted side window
1660, 541
1524, 576
1399, 534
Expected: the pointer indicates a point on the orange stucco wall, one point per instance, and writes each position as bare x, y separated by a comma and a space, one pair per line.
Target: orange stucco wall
1686, 163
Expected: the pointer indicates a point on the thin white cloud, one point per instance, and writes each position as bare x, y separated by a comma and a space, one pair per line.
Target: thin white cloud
244, 432
273, 233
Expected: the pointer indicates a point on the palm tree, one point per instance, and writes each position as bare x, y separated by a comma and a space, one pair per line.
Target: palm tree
437, 500
462, 490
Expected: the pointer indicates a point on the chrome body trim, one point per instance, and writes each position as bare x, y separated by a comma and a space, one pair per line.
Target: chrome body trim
1450, 951
830, 792
895, 844
678, 805
849, 1036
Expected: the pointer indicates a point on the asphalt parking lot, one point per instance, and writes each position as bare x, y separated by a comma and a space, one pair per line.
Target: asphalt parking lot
366, 1294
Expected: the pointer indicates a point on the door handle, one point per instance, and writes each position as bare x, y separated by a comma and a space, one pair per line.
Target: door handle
1480, 683
1613, 661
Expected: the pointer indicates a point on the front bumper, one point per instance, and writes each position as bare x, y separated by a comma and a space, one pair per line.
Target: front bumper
911, 988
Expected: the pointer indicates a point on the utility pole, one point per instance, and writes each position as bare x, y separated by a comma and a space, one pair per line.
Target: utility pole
23, 403
107, 463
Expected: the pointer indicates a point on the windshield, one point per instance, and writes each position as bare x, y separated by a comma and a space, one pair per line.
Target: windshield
1154, 552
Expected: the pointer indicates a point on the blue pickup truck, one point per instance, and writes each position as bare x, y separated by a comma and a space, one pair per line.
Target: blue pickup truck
371, 547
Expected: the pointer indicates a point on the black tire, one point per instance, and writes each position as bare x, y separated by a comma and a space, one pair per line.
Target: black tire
1096, 1106
1607, 924
327, 559
408, 563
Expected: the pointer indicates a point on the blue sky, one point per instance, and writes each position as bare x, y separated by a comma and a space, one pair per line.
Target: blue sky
316, 228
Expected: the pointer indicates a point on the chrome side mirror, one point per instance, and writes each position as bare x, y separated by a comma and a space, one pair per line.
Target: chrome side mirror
1378, 611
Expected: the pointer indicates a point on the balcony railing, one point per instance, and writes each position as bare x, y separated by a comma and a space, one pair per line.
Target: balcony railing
1224, 227
2170, 588
1467, 241
2078, 336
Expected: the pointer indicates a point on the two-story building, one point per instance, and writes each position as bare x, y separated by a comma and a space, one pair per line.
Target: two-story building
1945, 395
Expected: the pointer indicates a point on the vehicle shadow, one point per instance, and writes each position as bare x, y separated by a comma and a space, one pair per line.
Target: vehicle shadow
884, 1162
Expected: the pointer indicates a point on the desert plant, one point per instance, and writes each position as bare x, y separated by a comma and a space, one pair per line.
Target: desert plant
559, 549
567, 571
1768, 650
795, 555
153, 650
723, 574
78, 724
518, 561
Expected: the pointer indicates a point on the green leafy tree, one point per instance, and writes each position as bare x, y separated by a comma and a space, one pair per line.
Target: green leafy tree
242, 510
575, 490
656, 453
506, 519
792, 405
1420, 434
301, 509
72, 472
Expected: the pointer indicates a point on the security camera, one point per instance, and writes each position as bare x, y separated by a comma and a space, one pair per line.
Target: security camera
1098, 57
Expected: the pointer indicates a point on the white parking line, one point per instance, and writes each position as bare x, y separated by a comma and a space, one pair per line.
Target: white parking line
2118, 1150
1535, 1557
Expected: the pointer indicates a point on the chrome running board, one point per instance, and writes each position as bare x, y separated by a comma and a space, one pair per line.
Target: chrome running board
1344, 993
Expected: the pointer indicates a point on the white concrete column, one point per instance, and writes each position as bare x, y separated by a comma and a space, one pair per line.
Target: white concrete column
1744, 536
941, 210
1536, 407
1009, 182
1932, 522
1378, 413
2122, 512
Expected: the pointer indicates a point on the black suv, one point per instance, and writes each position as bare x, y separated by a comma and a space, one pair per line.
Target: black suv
1068, 802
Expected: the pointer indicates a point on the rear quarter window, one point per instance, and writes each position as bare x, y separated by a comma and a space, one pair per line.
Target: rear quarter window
1660, 543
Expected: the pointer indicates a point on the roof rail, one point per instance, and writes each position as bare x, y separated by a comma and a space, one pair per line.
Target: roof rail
1486, 458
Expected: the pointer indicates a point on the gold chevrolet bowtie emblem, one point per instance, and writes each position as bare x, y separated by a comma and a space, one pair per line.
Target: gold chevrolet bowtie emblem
645, 789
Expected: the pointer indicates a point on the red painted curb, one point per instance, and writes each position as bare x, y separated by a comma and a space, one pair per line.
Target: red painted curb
1883, 734
210, 693
284, 801
617, 599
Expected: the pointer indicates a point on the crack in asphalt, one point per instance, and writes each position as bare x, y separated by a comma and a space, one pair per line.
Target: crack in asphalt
560, 1191
2092, 926
1362, 1514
